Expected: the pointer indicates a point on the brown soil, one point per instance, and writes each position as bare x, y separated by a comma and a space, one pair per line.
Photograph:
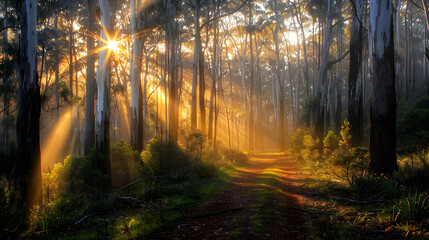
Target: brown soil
237, 212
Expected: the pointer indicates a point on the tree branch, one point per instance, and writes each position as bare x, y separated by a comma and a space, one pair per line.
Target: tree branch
223, 15
330, 63
13, 26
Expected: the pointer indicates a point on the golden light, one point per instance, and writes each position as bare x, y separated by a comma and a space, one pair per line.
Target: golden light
113, 45
111, 42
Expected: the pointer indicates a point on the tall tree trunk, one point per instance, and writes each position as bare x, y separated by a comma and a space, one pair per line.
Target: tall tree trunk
251, 84
195, 66
279, 79
28, 167
407, 50
322, 75
355, 108
305, 69
202, 85
212, 103
172, 32
297, 82
90, 80
77, 147
398, 48
71, 76
383, 100
426, 7
338, 103
4, 130
136, 134
103, 96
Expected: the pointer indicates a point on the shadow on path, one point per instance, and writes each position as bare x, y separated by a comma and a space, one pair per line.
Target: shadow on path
260, 203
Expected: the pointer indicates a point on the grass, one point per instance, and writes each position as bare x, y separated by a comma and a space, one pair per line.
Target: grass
390, 211
164, 208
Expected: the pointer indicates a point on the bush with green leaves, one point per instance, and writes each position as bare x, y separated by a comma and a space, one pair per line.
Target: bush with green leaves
347, 162
310, 154
166, 158
76, 175
413, 127
163, 157
12, 215
330, 143
125, 164
235, 157
62, 213
195, 143
296, 144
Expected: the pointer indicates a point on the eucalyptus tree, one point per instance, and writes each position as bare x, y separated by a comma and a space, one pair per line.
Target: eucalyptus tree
136, 63
383, 98
172, 41
281, 106
90, 80
103, 92
355, 107
28, 166
197, 44
426, 8
333, 7
322, 74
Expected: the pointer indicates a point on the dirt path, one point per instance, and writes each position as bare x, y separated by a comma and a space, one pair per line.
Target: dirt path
261, 202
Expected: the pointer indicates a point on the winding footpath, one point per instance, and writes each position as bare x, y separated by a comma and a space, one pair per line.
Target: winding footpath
261, 202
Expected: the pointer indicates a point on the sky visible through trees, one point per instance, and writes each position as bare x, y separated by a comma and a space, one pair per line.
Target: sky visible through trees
79, 77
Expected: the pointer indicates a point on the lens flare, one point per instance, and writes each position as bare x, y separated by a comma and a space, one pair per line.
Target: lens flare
113, 45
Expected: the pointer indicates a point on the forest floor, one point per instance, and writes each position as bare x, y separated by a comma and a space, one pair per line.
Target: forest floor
261, 202
271, 198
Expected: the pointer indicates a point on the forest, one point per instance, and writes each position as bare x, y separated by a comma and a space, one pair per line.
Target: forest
214, 119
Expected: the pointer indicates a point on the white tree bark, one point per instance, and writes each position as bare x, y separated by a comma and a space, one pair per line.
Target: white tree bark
103, 91
28, 167
383, 99
322, 75
136, 61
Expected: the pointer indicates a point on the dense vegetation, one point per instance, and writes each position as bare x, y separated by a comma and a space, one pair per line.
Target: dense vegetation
123, 118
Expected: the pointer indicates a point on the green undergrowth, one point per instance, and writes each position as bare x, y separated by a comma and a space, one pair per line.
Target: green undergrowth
150, 192
362, 205
171, 205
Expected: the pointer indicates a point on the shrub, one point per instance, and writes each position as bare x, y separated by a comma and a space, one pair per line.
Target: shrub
345, 135
235, 157
348, 163
204, 169
413, 127
12, 214
62, 213
77, 174
163, 157
125, 163
330, 143
414, 207
310, 153
296, 144
412, 176
195, 143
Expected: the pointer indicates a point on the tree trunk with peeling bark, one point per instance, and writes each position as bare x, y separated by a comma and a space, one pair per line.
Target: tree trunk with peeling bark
355, 108
103, 96
279, 80
28, 167
172, 39
136, 131
90, 80
383, 99
426, 8
322, 76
